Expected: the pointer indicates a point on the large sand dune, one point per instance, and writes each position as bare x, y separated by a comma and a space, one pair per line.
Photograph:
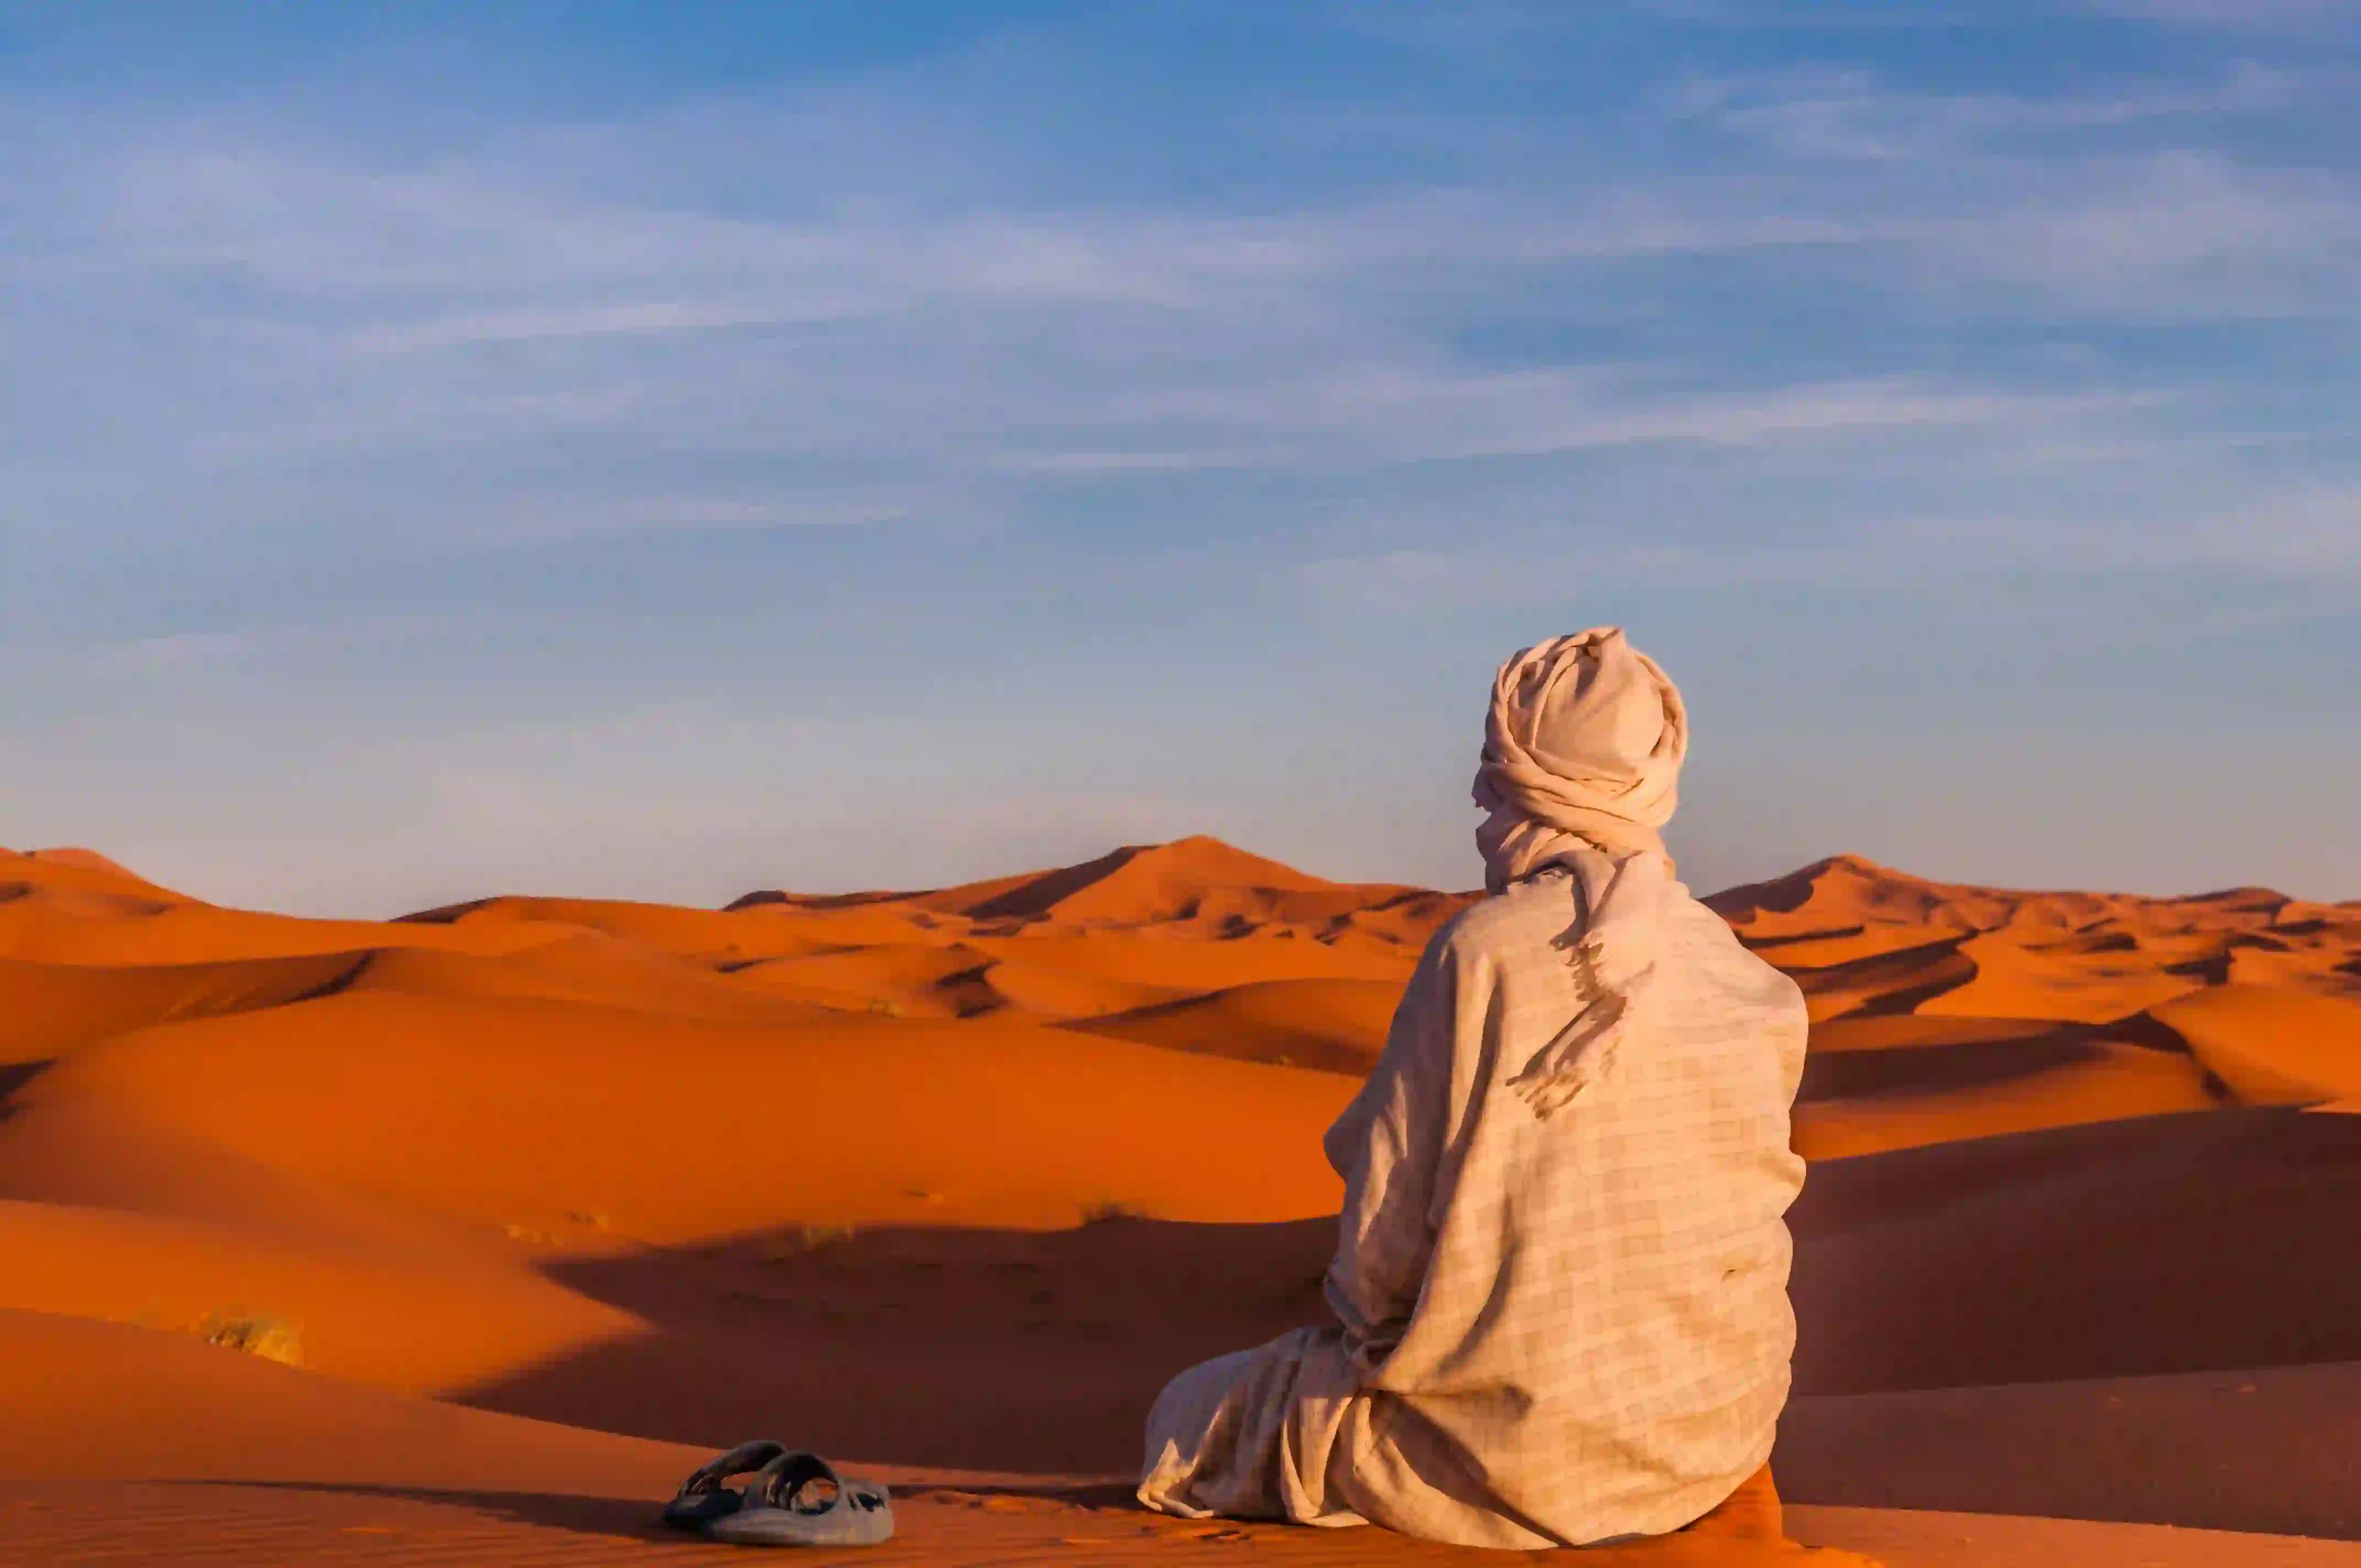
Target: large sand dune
950, 1180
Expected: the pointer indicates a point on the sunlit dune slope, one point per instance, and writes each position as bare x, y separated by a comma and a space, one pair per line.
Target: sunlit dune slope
83, 911
52, 1007
510, 1110
2273, 1044
440, 1317
587, 967
1197, 880
118, 1402
1962, 1011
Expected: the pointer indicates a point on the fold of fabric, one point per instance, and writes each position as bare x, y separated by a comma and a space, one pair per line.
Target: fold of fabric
1583, 748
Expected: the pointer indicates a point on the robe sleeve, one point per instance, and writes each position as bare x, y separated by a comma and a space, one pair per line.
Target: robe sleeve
1388, 1146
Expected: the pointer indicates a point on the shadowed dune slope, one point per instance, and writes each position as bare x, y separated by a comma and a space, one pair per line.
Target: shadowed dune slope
2269, 1449
2158, 1248
310, 1468
1336, 1025
2152, 1244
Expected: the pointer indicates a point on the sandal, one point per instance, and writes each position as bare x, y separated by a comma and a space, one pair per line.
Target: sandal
799, 1500
703, 1499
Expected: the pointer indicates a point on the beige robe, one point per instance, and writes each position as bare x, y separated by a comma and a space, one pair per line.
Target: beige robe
1551, 1331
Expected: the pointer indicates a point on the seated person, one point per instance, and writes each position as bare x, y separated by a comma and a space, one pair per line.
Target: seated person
1560, 1286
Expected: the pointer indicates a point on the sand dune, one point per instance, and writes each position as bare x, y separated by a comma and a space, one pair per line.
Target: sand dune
1197, 880
587, 967
2270, 1448
900, 979
1336, 1025
118, 1403
2151, 1245
435, 1319
2048, 1009
951, 1180
1985, 1088
679, 1129
2083, 980
2273, 1044
52, 1007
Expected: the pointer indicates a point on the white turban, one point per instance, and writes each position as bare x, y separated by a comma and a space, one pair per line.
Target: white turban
1583, 751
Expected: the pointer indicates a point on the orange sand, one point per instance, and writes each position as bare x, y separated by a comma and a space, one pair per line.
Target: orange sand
2274, 1045
950, 1182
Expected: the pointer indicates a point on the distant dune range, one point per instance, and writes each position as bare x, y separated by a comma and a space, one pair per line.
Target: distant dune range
952, 1179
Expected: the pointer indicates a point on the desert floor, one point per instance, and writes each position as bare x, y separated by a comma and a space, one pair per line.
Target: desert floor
460, 1238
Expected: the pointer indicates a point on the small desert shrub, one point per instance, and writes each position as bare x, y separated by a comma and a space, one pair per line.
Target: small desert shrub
253, 1334
806, 1239
1109, 1209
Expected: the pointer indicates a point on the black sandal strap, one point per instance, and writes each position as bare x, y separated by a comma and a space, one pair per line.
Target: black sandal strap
785, 1479
746, 1456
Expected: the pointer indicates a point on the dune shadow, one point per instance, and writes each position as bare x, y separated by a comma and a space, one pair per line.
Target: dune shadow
2160, 1245
614, 1518
1121, 1497
972, 1350
1891, 982
14, 1075
1963, 1064
2166, 1243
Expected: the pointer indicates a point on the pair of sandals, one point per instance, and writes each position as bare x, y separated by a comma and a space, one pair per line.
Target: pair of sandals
795, 1499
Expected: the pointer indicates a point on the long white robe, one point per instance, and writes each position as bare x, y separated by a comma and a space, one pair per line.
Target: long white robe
1551, 1330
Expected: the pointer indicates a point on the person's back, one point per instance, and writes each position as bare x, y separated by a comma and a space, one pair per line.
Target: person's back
1560, 1279
1602, 1330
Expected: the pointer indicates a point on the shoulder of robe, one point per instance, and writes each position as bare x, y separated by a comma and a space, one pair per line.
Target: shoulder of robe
1703, 935
1529, 916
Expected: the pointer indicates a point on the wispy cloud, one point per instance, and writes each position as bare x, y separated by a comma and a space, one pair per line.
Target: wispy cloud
2240, 14
528, 326
1826, 113
178, 658
2174, 234
442, 309
2298, 537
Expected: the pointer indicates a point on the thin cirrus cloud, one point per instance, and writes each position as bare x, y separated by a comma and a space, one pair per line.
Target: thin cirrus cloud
311, 233
2234, 14
1200, 299
1849, 114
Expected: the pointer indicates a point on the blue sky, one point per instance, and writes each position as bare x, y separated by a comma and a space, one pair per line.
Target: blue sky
663, 450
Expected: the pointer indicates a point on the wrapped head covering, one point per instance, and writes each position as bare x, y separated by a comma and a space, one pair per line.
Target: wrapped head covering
1581, 768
